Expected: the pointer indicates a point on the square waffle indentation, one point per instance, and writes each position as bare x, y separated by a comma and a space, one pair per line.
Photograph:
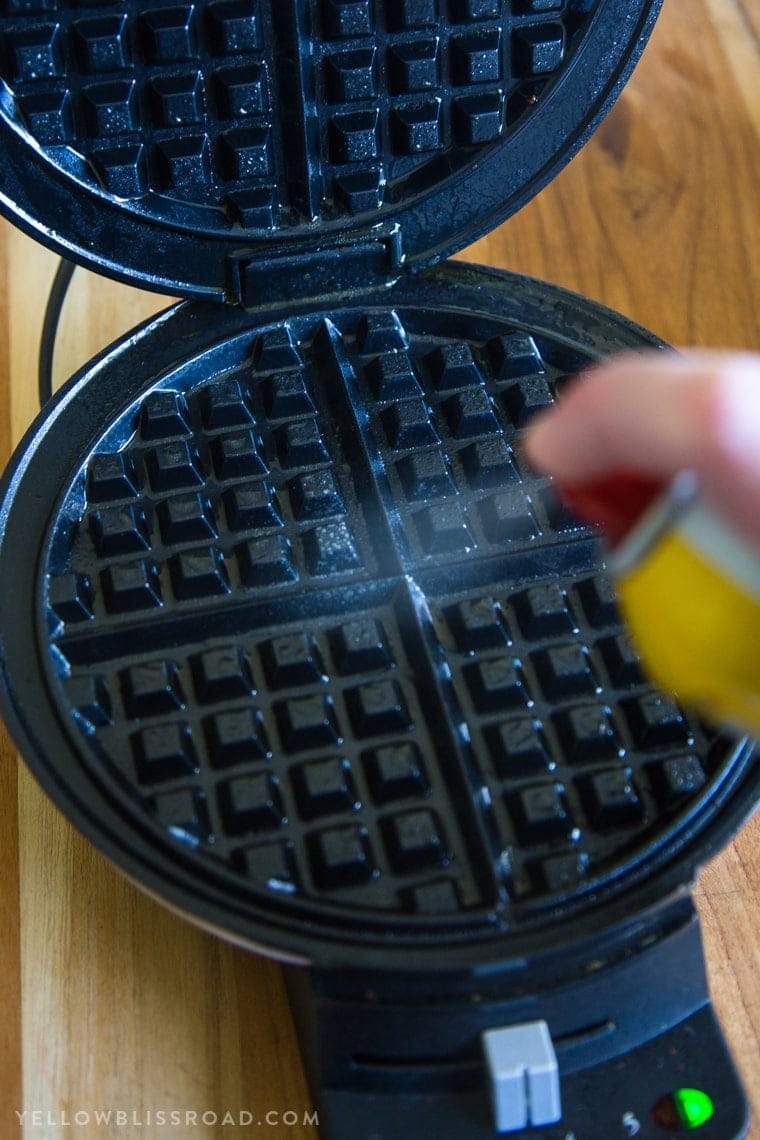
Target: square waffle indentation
233, 27
71, 597
477, 623
470, 413
111, 477
315, 495
392, 377
236, 456
184, 814
621, 661
611, 799
286, 396
324, 787
416, 127
598, 601
540, 813
453, 366
122, 170
340, 857
252, 506
404, 14
330, 549
477, 119
236, 737
380, 332
307, 722
182, 164
163, 752
563, 670
273, 865
676, 778
222, 674
251, 803
476, 57
495, 684
542, 610
175, 100
654, 720
300, 444
223, 404
376, 708
514, 354
245, 153
426, 475
199, 573
488, 463
443, 528
586, 733
173, 465
291, 659
150, 688
241, 92
344, 18
34, 53
132, 586
350, 75
414, 840
517, 747
414, 66
359, 646
186, 518
108, 108
466, 10
163, 414
538, 49
119, 530
395, 772
522, 401
100, 43
561, 873
167, 35
91, 698
507, 516
266, 562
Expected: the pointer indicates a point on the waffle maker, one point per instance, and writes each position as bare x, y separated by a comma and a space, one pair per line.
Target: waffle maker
288, 631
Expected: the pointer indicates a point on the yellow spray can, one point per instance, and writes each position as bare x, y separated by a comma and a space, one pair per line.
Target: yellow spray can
689, 590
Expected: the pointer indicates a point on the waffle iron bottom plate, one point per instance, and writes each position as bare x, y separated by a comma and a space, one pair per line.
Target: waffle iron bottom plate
295, 637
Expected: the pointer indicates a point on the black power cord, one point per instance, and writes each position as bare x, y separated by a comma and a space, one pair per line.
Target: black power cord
58, 291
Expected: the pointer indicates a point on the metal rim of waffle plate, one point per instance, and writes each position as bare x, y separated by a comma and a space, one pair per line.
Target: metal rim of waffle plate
292, 636
209, 149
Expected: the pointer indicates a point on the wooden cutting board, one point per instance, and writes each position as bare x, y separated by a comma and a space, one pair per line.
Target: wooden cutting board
108, 1000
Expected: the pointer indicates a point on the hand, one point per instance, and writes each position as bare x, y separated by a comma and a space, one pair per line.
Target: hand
658, 413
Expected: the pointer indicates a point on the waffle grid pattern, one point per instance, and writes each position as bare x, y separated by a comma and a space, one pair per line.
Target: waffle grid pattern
325, 630
268, 115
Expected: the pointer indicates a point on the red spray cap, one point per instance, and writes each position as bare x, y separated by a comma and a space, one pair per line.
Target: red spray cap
613, 502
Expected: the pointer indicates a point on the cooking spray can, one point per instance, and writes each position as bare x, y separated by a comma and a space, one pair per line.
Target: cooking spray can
688, 585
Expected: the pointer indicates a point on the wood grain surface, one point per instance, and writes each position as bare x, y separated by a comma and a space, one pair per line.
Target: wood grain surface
108, 1000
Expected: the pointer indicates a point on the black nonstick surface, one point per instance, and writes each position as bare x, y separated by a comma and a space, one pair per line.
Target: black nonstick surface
155, 141
293, 633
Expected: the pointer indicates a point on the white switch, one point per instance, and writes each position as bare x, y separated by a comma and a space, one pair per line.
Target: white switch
524, 1076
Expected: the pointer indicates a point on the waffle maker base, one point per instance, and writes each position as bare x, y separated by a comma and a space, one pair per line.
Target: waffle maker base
293, 637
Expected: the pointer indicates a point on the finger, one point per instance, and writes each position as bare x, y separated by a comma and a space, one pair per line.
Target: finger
658, 413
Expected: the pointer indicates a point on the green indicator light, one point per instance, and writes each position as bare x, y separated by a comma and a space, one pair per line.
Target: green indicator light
694, 1107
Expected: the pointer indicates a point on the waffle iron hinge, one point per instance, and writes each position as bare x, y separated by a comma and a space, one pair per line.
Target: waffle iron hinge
354, 262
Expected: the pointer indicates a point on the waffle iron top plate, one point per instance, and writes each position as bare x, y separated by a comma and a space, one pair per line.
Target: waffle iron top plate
217, 148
